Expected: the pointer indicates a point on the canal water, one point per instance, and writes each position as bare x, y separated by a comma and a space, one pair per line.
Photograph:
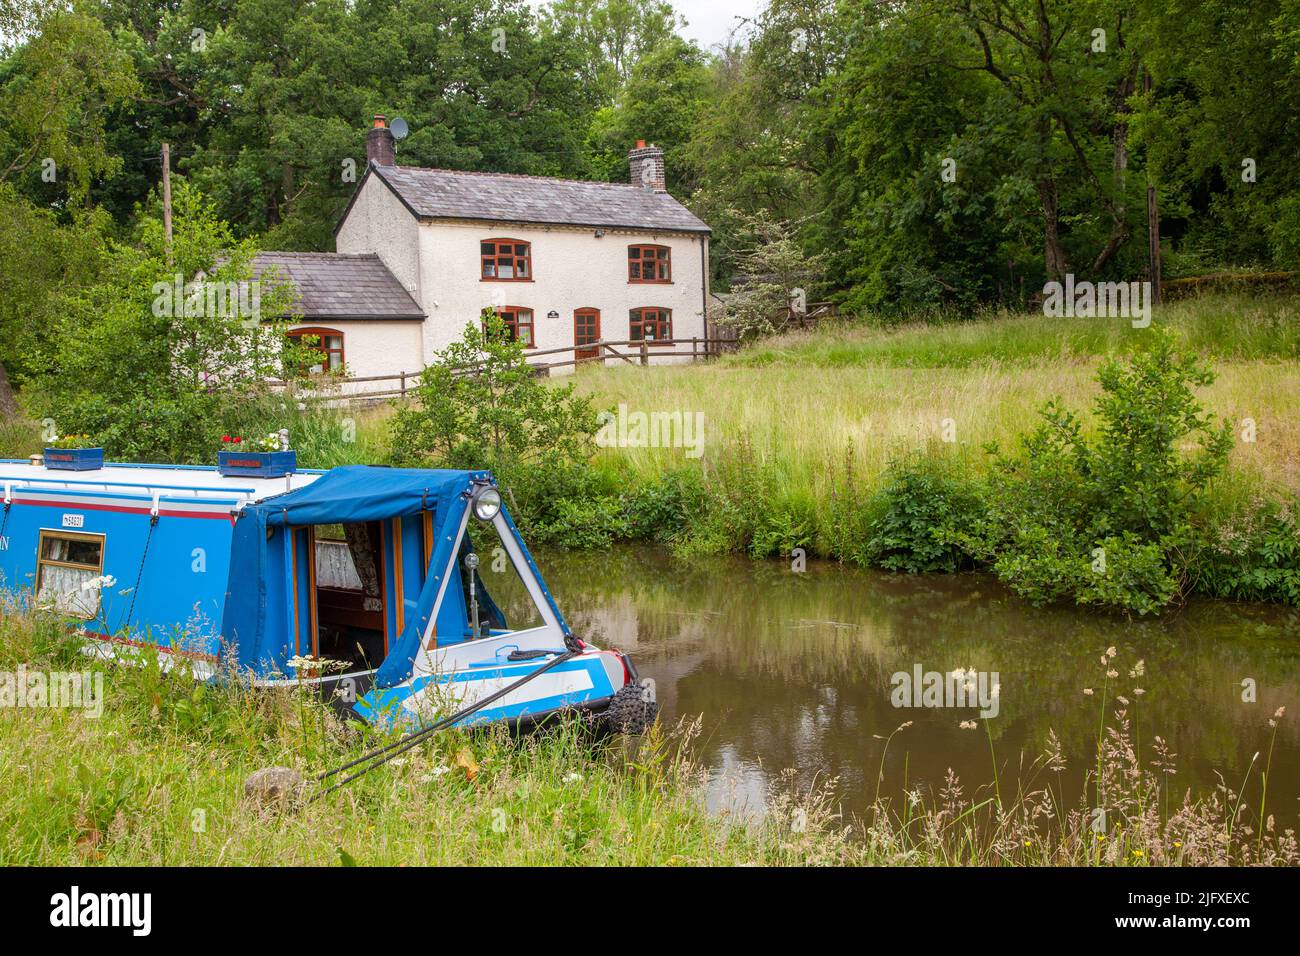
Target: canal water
797, 670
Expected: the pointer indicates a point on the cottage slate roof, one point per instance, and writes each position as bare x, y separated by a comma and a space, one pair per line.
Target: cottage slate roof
334, 285
507, 197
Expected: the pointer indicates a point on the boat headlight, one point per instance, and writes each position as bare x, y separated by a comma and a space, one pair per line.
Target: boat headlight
487, 503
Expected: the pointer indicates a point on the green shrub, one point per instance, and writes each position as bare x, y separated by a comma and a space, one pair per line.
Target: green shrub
1251, 556
919, 515
1134, 575
481, 405
1107, 521
664, 507
581, 524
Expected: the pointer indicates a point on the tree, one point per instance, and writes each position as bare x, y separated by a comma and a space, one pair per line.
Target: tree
481, 405
152, 375
41, 261
614, 35
54, 91
54, 87
756, 148
775, 279
1218, 129
661, 102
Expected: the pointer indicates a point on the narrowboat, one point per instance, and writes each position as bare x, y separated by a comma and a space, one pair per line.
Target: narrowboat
401, 594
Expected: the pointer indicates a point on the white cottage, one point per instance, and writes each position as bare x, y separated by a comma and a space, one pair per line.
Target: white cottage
421, 252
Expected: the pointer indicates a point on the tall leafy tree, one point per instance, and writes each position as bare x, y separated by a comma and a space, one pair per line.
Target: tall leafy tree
613, 36
1220, 128
56, 81
661, 102
150, 374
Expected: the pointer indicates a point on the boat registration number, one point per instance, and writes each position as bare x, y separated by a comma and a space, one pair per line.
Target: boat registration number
74, 521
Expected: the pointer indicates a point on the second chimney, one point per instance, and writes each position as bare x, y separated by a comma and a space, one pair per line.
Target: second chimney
381, 149
646, 165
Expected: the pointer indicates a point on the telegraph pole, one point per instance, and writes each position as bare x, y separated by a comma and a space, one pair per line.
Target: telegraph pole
1153, 221
167, 198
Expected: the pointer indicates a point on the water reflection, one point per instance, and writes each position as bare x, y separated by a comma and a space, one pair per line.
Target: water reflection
793, 671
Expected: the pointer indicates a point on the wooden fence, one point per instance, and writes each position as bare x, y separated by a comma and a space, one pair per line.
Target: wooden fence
400, 384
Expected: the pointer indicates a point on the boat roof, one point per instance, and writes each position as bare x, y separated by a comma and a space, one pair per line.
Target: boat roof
171, 481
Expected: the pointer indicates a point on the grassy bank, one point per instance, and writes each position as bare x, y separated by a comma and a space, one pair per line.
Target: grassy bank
870, 445
812, 403
156, 777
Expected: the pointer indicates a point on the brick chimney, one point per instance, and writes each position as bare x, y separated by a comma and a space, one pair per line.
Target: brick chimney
646, 165
381, 149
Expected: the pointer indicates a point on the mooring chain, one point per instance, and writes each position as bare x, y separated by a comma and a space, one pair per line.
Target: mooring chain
153, 523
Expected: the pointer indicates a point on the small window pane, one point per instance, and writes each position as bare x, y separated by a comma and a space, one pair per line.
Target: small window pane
72, 551
487, 248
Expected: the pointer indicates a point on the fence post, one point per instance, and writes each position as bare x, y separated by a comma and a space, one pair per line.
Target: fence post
403, 385
645, 353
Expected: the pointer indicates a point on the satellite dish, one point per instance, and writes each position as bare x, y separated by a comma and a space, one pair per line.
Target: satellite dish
399, 128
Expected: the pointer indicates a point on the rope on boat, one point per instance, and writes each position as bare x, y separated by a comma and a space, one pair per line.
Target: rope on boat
416, 737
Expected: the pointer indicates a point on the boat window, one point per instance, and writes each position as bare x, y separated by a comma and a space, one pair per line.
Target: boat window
66, 564
503, 598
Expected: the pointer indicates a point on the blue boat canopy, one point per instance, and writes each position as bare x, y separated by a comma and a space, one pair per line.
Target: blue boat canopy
355, 493
346, 495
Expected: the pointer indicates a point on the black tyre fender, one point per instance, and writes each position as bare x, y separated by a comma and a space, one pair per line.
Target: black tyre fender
633, 709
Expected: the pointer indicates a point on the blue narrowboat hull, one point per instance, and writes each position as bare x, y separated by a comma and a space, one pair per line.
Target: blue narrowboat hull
224, 570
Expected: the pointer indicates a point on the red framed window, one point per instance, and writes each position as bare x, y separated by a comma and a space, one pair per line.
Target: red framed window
506, 260
651, 324
649, 264
328, 342
519, 324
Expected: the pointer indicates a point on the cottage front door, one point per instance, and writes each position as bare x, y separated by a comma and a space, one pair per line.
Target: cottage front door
586, 332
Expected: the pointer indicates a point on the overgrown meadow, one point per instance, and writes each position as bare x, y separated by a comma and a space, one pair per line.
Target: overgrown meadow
1138, 466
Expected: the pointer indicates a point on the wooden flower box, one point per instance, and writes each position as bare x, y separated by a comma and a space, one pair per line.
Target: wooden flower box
257, 464
74, 459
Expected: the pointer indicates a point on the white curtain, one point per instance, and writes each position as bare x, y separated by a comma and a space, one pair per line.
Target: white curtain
334, 566
62, 588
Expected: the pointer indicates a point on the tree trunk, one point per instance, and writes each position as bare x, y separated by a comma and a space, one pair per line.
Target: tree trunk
1053, 253
8, 402
1049, 200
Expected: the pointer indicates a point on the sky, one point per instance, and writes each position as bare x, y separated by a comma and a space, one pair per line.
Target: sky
709, 21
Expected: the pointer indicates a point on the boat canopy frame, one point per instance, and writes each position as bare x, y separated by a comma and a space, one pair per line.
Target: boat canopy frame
261, 636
